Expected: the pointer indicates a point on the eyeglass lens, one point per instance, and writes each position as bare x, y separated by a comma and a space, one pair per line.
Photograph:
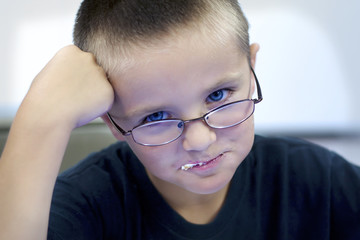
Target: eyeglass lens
230, 115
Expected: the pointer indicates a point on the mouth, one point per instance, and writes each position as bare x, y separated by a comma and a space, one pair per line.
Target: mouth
198, 164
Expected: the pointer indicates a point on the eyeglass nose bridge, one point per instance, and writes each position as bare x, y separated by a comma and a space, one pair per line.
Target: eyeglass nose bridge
202, 118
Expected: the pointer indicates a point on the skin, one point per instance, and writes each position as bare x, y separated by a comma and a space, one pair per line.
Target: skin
200, 66
57, 102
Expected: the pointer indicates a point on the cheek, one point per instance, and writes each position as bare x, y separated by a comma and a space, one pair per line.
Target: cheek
243, 133
240, 138
154, 158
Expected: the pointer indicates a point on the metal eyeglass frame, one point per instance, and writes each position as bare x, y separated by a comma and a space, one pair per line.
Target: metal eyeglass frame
203, 118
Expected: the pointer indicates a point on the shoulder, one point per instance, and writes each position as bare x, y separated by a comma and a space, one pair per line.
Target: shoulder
101, 172
303, 162
300, 161
291, 150
116, 154
112, 164
286, 144
93, 193
314, 184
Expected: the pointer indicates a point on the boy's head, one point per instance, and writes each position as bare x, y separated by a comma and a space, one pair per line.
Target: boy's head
113, 30
175, 60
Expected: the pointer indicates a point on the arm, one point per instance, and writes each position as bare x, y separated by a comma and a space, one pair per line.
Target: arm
69, 92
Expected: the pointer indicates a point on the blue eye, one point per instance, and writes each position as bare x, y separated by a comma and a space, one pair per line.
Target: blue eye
156, 116
217, 95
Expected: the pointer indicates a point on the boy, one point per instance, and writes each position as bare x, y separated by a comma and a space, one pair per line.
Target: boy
175, 86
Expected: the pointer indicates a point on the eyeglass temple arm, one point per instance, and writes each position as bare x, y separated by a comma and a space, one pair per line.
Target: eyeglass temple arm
117, 126
258, 89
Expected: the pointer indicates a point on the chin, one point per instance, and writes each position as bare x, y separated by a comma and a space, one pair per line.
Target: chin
209, 186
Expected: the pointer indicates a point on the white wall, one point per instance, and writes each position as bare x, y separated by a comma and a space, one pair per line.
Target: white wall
308, 64
31, 33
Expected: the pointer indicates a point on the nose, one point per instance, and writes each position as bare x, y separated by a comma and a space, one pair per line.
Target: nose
198, 136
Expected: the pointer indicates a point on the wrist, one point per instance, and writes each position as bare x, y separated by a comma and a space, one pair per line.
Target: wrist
34, 116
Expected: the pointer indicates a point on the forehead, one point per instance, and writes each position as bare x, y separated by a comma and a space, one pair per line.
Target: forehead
180, 68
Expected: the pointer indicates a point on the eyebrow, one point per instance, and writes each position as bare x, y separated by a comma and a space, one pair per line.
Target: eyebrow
230, 80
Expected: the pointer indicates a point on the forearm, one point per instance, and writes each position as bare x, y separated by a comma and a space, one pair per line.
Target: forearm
70, 91
28, 170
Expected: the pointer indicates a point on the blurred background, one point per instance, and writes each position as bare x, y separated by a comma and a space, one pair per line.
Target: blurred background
307, 66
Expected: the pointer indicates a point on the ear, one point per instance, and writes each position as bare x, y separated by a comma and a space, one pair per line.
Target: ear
112, 128
254, 48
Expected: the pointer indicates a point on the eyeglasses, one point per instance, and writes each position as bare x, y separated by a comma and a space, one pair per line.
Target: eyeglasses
162, 132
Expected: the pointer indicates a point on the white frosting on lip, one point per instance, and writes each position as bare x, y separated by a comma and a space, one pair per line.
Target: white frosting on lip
191, 165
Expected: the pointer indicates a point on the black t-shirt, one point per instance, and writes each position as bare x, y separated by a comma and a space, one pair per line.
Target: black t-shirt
284, 189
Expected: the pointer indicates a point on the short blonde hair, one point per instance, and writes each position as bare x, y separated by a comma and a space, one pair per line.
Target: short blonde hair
113, 29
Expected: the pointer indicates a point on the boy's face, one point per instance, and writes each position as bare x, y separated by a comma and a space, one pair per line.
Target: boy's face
186, 80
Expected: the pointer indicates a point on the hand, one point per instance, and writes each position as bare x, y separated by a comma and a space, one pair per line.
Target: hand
72, 89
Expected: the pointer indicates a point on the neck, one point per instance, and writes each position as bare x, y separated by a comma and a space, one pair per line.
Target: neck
193, 207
